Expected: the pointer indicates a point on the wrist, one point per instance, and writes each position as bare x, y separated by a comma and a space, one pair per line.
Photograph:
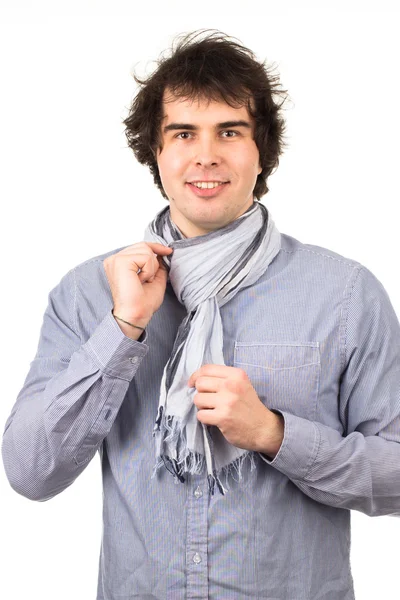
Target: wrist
132, 318
273, 435
133, 329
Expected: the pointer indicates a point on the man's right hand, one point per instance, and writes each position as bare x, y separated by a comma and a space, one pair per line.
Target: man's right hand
137, 296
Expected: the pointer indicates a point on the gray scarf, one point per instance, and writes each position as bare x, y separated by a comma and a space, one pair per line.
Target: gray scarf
205, 272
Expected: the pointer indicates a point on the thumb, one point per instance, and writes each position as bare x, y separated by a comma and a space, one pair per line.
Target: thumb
162, 264
162, 271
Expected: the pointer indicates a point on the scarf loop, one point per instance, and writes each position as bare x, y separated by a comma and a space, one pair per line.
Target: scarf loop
205, 273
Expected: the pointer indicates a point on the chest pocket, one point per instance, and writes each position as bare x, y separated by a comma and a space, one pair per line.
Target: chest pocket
285, 376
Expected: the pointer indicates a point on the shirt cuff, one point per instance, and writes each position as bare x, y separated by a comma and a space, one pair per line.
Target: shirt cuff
115, 353
299, 447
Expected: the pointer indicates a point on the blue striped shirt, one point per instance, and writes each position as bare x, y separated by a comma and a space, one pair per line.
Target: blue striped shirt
320, 341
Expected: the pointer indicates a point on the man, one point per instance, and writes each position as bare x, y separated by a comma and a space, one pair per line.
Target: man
242, 388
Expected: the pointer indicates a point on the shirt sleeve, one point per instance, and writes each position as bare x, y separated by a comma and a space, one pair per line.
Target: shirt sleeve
70, 397
360, 469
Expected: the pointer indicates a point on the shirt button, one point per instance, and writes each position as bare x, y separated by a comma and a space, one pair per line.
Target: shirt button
198, 493
134, 360
197, 558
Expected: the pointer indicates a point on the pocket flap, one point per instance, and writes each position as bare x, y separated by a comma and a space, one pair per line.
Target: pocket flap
284, 375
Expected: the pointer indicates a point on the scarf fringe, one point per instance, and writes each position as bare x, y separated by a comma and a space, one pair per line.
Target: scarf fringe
194, 462
170, 430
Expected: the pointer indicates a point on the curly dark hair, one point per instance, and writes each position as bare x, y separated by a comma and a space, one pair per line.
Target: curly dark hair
213, 68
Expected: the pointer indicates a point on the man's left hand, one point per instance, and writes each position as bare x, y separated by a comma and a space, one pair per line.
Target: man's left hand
227, 399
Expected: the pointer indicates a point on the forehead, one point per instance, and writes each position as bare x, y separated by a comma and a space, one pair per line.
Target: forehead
200, 110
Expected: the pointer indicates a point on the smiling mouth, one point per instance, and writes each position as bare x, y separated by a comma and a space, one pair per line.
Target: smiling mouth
207, 184
208, 191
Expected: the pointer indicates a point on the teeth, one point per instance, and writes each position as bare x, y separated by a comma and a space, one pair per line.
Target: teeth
207, 184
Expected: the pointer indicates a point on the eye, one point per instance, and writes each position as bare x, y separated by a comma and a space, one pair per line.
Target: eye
231, 131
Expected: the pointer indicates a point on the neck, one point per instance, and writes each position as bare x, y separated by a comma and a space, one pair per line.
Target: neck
188, 229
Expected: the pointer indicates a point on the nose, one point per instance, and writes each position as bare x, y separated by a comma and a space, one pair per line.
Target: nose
206, 153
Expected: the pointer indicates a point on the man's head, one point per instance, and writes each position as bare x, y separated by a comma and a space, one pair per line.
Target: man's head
206, 84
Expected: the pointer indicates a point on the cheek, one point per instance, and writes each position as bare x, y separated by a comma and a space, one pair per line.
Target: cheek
170, 165
254, 158
247, 159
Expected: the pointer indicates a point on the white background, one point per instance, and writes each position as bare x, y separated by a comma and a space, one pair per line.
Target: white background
71, 189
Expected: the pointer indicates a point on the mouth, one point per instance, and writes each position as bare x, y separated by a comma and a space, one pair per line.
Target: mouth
208, 192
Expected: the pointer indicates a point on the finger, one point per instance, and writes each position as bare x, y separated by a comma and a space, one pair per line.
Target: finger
222, 371
159, 248
161, 272
208, 384
153, 266
208, 417
203, 401
161, 263
147, 246
145, 264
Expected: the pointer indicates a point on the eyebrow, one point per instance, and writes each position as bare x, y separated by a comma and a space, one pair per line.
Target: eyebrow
191, 127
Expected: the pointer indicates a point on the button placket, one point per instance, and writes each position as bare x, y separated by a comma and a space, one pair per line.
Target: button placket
197, 536
197, 558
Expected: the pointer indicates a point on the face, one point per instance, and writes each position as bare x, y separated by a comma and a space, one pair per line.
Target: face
207, 142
